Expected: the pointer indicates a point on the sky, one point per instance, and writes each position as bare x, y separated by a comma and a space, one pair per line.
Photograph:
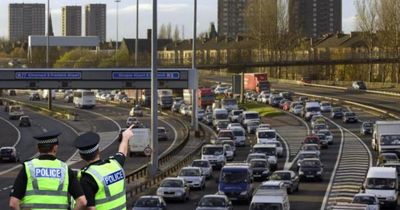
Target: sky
176, 12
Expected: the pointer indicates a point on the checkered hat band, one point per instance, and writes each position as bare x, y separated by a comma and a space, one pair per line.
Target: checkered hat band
89, 150
48, 141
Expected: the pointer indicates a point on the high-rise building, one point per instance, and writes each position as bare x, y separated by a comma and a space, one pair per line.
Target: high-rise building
314, 18
231, 21
95, 21
72, 21
25, 20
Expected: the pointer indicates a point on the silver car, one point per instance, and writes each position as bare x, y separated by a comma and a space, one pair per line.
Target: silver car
150, 203
174, 189
214, 202
193, 177
205, 167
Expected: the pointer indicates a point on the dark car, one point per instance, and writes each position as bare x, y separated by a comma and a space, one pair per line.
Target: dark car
34, 96
12, 93
350, 117
336, 113
150, 203
359, 85
260, 169
25, 121
131, 120
9, 154
366, 128
162, 134
311, 169
208, 119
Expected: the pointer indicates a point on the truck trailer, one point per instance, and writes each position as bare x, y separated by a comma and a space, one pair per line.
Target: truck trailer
256, 82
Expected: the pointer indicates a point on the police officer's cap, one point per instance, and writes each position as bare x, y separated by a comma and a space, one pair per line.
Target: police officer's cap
50, 137
87, 143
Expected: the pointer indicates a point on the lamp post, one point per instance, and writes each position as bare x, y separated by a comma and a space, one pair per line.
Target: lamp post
194, 91
49, 95
116, 41
154, 86
137, 33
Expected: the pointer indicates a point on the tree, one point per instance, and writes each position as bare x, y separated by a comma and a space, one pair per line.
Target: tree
18, 52
176, 33
163, 32
169, 31
367, 18
76, 58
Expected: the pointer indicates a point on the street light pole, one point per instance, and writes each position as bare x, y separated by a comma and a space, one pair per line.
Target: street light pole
49, 95
195, 122
116, 41
137, 33
154, 106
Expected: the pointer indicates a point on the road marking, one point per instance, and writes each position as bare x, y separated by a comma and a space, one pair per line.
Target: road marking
353, 162
15, 127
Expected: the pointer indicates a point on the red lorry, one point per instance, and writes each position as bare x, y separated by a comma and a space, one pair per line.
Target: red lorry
256, 82
205, 97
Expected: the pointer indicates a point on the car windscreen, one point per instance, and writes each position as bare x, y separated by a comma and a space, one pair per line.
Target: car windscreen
381, 183
266, 206
225, 134
238, 133
221, 116
390, 139
252, 116
350, 114
258, 164
267, 151
236, 176
237, 112
280, 176
189, 172
302, 156
213, 151
367, 125
222, 124
310, 163
229, 102
369, 200
6, 151
313, 109
147, 202
201, 164
172, 183
253, 123
266, 134
15, 109
212, 202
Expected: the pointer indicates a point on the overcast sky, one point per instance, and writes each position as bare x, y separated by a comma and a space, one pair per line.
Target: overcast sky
178, 12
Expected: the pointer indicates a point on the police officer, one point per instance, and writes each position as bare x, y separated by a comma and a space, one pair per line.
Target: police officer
103, 181
45, 182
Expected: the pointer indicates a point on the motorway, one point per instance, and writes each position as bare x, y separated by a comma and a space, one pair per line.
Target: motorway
107, 120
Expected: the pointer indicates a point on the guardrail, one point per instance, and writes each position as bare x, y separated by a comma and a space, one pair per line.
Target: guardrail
337, 87
147, 184
381, 111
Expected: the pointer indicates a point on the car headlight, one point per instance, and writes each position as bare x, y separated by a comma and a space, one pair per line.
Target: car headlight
220, 193
179, 193
159, 191
301, 173
265, 172
272, 160
391, 198
319, 172
221, 158
243, 193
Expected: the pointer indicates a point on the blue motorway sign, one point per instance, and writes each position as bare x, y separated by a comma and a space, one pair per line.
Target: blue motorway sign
145, 75
48, 75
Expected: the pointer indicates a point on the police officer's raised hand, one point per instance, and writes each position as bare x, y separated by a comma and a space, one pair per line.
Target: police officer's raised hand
128, 133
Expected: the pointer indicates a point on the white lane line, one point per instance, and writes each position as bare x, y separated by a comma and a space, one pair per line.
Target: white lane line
328, 189
287, 151
15, 127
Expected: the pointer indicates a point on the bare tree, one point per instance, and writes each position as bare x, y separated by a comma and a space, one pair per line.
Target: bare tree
176, 33
367, 19
169, 31
163, 34
389, 32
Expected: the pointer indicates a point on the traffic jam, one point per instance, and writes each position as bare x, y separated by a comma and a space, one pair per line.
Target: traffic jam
257, 180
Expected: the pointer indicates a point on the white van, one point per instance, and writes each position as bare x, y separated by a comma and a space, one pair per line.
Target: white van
249, 116
311, 108
139, 141
383, 183
266, 135
219, 114
267, 199
215, 154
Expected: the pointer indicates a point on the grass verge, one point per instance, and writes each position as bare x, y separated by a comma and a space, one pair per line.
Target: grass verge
262, 109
